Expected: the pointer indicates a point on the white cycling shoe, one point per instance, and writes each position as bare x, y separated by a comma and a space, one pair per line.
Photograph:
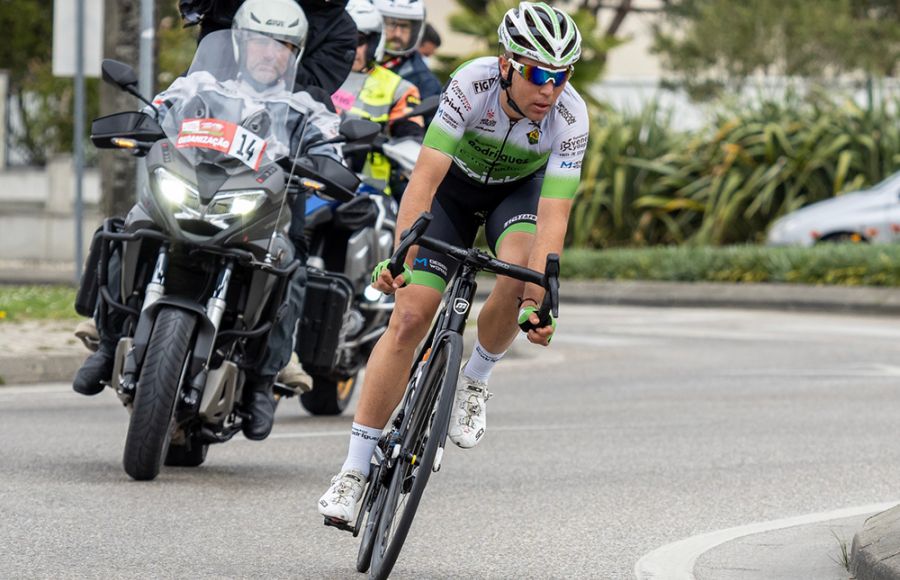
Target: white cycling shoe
339, 502
469, 417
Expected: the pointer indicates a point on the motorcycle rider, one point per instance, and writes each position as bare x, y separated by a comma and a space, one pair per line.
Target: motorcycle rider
373, 92
404, 24
505, 149
330, 43
264, 54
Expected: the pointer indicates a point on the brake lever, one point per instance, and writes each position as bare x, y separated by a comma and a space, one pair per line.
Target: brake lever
407, 240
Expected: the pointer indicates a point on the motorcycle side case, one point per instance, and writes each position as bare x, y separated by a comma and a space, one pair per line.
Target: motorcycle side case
328, 298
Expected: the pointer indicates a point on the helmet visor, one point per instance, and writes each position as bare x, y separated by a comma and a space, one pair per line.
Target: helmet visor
265, 60
401, 35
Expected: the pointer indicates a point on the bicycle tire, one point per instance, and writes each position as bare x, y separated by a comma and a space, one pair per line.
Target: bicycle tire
373, 513
419, 440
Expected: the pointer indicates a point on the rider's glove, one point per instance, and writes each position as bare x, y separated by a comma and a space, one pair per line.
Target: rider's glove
526, 325
379, 268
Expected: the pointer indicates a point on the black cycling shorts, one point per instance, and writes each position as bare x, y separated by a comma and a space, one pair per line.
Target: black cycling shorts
461, 206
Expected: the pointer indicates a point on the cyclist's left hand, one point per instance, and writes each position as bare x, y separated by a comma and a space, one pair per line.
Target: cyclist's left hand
541, 335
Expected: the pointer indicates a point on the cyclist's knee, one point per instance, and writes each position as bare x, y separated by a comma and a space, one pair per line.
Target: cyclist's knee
408, 327
508, 288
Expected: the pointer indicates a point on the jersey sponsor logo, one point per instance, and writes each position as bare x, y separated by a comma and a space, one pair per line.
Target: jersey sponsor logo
574, 144
522, 217
423, 261
447, 118
483, 85
488, 121
461, 306
565, 114
460, 95
438, 267
571, 164
534, 136
445, 100
491, 151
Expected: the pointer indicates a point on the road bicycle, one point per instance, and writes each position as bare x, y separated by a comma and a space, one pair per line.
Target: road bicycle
413, 446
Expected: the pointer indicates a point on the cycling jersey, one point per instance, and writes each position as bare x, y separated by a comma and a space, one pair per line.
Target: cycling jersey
472, 128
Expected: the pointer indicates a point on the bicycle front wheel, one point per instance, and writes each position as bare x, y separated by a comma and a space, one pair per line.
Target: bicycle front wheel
425, 431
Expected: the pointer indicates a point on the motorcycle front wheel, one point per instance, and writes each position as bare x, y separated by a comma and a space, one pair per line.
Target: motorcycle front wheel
164, 369
329, 396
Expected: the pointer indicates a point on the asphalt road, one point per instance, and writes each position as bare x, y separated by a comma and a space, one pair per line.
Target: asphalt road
639, 427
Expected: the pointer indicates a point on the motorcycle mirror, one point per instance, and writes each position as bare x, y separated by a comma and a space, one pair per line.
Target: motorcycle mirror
359, 130
427, 107
118, 73
123, 76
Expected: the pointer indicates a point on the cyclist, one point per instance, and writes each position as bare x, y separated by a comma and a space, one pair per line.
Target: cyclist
375, 93
505, 149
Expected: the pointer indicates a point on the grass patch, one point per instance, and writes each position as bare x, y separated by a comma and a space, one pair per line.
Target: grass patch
827, 264
18, 303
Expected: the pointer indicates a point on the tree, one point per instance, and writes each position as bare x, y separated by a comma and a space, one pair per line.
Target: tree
121, 42
709, 44
43, 103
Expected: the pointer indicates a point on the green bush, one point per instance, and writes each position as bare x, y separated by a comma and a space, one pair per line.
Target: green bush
645, 184
845, 264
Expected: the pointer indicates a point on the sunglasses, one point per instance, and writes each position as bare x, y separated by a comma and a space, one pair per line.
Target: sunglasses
541, 76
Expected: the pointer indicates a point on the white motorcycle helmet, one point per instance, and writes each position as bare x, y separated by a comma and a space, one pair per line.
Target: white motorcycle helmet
412, 11
282, 20
368, 22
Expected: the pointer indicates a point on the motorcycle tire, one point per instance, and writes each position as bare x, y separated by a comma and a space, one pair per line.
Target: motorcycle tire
191, 454
328, 396
164, 369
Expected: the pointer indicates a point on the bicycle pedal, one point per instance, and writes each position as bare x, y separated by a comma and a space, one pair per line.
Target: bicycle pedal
339, 524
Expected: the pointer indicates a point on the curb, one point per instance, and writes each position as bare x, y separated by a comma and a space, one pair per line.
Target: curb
875, 554
857, 300
40, 369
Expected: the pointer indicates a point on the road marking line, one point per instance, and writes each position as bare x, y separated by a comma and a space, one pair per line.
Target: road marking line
676, 561
346, 432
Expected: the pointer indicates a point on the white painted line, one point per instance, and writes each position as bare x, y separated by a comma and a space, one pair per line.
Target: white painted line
26, 390
346, 432
676, 561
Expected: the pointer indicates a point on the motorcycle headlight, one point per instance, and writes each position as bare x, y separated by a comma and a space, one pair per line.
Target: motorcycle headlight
177, 192
236, 203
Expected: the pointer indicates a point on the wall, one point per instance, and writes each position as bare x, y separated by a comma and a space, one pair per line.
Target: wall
37, 211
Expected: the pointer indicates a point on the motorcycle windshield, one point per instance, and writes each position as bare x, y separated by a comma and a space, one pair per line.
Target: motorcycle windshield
232, 108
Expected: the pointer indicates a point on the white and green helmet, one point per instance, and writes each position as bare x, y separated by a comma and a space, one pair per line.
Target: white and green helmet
541, 32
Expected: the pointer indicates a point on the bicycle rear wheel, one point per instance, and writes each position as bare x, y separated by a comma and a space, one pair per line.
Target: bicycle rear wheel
424, 432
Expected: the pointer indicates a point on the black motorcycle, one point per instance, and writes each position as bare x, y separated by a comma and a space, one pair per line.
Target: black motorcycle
203, 259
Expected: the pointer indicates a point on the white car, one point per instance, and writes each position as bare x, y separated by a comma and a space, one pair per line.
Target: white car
872, 215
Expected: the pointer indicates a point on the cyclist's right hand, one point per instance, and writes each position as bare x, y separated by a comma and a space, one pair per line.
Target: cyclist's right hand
384, 282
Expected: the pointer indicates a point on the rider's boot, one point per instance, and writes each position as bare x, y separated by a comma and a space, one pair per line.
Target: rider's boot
469, 417
339, 502
259, 401
294, 376
96, 368
87, 333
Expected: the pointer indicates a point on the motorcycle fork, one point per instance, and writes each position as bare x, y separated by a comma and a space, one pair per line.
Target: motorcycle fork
156, 288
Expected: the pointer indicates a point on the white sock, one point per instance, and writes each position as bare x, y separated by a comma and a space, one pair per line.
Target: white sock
362, 445
481, 363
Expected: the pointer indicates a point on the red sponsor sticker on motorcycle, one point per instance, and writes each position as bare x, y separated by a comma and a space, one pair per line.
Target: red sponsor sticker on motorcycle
224, 137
